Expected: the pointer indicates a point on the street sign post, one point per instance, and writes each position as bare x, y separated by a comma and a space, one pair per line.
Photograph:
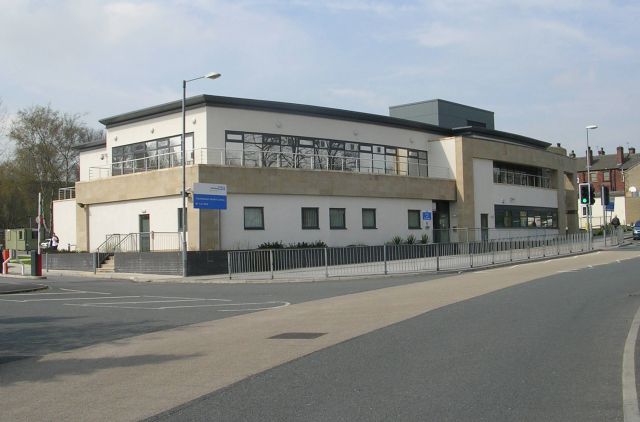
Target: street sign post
209, 196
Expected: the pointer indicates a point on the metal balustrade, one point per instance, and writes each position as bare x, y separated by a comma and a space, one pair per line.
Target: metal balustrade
222, 157
400, 259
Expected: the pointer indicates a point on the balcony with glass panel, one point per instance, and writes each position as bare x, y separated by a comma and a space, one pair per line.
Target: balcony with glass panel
274, 151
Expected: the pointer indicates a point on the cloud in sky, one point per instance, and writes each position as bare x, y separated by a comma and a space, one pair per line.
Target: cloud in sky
546, 68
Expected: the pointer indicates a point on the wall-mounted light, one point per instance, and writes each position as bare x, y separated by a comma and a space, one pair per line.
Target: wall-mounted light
152, 130
194, 121
80, 204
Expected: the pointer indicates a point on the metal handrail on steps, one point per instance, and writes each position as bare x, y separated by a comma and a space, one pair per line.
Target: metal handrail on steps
105, 250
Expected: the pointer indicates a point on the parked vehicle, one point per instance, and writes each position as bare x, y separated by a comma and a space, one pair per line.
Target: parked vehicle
46, 244
636, 230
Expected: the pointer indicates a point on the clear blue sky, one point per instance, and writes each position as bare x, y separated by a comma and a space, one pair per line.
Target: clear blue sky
547, 68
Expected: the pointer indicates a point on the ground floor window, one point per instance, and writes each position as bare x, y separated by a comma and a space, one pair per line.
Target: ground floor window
368, 218
514, 216
337, 218
253, 218
310, 219
414, 219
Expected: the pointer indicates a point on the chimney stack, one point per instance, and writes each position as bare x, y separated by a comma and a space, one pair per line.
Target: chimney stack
619, 155
632, 150
601, 151
573, 154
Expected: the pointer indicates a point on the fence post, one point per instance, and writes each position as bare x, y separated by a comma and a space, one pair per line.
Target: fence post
544, 245
46, 261
493, 252
437, 257
528, 247
229, 264
271, 262
510, 250
470, 253
95, 262
384, 248
326, 264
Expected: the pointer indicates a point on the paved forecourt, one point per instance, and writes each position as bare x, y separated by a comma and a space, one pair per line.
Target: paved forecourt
144, 375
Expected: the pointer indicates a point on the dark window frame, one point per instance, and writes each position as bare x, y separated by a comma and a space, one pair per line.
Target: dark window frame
344, 219
317, 222
409, 213
375, 219
244, 218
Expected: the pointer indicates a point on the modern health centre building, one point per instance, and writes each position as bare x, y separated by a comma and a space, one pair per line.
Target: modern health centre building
298, 173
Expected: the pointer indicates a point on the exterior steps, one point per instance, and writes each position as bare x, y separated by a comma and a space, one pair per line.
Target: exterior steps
108, 266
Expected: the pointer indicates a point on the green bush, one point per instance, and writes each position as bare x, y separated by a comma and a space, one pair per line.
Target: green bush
272, 245
396, 240
424, 239
411, 239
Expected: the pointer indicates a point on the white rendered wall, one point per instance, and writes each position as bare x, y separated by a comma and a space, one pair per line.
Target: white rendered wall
597, 216
96, 158
487, 194
123, 217
222, 119
64, 217
283, 221
159, 127
443, 153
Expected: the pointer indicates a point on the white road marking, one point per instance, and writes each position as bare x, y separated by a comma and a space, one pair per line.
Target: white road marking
85, 291
67, 298
629, 392
115, 305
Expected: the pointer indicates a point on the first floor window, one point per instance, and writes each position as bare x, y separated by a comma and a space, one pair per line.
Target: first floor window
310, 218
254, 218
414, 219
337, 218
368, 218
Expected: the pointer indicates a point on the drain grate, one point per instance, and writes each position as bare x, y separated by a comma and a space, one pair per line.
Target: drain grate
301, 336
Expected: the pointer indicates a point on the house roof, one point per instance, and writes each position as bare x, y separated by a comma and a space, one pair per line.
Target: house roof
91, 145
315, 111
608, 162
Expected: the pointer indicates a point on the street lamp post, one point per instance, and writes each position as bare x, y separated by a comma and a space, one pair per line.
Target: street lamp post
212, 75
589, 213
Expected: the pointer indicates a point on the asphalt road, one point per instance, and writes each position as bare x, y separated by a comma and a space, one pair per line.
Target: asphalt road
547, 350
76, 312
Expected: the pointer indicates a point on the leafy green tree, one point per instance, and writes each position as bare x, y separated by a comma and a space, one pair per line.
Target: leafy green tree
43, 160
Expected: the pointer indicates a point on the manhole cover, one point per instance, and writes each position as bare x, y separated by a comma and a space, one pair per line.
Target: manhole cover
302, 336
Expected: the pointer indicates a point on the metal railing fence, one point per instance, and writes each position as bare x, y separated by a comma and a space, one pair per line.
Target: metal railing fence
399, 259
217, 156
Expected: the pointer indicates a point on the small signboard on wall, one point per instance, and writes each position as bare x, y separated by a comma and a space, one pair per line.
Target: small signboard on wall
209, 196
426, 215
610, 205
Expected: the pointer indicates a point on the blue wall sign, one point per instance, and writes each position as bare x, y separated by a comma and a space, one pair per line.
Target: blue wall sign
209, 196
426, 215
610, 205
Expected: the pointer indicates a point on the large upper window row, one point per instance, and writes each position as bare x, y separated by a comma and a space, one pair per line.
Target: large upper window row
513, 174
512, 216
149, 155
264, 150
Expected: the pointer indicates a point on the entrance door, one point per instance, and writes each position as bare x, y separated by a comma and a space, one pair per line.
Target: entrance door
145, 238
441, 222
484, 227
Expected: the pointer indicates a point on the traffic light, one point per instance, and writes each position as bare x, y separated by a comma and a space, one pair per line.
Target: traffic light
604, 195
584, 194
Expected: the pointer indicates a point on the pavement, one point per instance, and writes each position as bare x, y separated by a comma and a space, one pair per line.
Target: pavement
141, 376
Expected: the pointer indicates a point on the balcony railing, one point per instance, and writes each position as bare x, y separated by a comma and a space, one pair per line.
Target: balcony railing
510, 177
66, 193
213, 156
